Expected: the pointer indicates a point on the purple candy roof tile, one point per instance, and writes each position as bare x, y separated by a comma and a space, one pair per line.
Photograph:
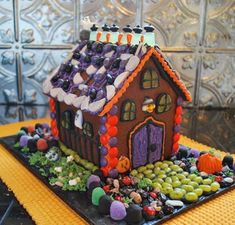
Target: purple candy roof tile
107, 66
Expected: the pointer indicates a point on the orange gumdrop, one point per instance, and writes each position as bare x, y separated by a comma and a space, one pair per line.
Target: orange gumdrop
112, 120
112, 131
113, 152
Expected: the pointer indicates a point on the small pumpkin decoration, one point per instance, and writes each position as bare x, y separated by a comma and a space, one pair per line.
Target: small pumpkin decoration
209, 163
123, 164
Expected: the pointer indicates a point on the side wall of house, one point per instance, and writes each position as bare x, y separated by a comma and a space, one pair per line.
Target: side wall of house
84, 142
136, 94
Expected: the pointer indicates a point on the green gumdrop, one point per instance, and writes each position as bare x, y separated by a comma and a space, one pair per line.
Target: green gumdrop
97, 193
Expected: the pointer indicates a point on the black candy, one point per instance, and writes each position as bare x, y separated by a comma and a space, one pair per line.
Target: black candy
100, 174
116, 63
132, 49
99, 48
134, 214
168, 209
202, 153
99, 61
228, 160
93, 93
68, 68
89, 45
38, 125
162, 197
110, 79
65, 85
55, 78
104, 204
32, 145
53, 143
92, 186
76, 55
182, 153
87, 59
24, 129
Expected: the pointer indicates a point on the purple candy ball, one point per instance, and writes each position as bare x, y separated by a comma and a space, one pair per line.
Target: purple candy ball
103, 150
24, 140
103, 129
114, 110
53, 115
92, 178
103, 119
103, 162
117, 210
113, 173
180, 100
194, 153
113, 141
46, 125
234, 167
177, 128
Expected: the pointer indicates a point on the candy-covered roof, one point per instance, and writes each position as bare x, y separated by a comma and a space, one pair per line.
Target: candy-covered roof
97, 74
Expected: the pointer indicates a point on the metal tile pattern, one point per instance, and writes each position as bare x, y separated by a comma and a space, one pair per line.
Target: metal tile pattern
198, 36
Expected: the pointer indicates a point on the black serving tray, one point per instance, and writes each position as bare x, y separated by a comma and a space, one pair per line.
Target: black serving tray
78, 200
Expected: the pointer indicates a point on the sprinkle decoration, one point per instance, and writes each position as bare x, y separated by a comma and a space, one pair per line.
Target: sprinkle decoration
108, 141
178, 120
54, 129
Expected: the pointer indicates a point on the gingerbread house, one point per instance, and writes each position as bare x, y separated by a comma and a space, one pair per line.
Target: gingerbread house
116, 100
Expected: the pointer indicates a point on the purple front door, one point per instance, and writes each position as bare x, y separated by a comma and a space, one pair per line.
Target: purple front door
147, 144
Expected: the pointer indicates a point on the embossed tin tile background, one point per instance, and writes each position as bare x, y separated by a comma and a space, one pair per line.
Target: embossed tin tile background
198, 36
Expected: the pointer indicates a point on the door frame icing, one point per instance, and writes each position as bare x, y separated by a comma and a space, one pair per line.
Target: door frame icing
141, 124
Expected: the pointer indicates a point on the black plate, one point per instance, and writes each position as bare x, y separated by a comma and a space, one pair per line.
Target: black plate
78, 200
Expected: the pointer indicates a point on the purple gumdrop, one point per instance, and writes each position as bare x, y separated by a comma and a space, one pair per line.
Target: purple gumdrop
24, 140
53, 115
103, 129
113, 141
234, 167
46, 125
117, 210
194, 153
103, 162
103, 150
177, 128
180, 100
92, 178
113, 173
113, 110
103, 119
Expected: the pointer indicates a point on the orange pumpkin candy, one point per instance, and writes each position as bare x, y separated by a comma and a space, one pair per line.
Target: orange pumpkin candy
209, 163
123, 164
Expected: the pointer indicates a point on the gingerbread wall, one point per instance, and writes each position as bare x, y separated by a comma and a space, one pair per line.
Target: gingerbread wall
135, 93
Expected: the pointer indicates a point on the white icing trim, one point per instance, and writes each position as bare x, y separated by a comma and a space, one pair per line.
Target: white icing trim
77, 79
91, 70
54, 92
132, 63
125, 56
101, 70
78, 101
61, 94
96, 106
120, 79
109, 54
110, 91
85, 103
68, 99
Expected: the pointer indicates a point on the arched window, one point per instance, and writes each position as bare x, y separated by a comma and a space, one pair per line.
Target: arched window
67, 120
150, 79
87, 129
163, 103
128, 111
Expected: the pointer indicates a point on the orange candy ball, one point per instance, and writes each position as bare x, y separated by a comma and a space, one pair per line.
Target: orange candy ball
31, 129
112, 131
42, 145
113, 162
112, 120
113, 152
103, 139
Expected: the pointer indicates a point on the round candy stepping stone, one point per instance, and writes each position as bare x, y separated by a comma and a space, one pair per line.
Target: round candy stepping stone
97, 193
104, 204
117, 211
92, 178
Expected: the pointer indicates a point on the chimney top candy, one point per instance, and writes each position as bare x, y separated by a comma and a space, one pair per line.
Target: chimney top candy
149, 36
114, 28
127, 29
94, 28
149, 28
93, 33
137, 29
105, 27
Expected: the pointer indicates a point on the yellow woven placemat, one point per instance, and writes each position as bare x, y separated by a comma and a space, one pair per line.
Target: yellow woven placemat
48, 209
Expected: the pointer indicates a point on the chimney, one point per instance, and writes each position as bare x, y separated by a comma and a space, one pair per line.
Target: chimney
127, 30
149, 36
114, 35
105, 29
137, 36
93, 32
